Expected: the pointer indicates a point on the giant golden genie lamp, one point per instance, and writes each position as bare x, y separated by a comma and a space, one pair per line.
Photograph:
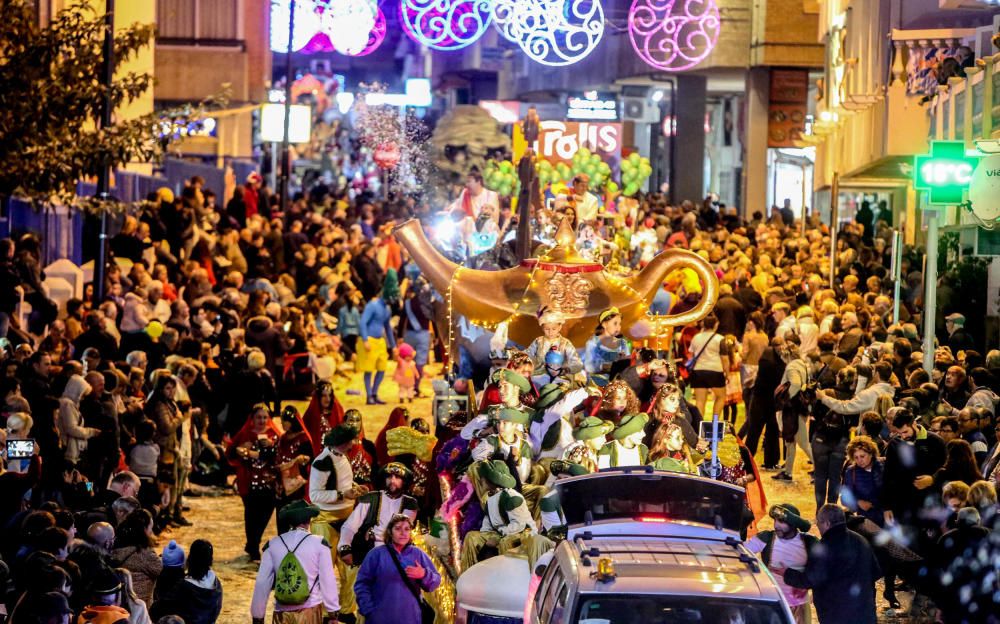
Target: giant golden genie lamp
559, 279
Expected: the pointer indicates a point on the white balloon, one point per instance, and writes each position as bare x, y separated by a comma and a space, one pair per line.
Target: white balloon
306, 25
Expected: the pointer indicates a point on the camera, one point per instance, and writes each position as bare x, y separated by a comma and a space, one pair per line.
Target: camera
20, 449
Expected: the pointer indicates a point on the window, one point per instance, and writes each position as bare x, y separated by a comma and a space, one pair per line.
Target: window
551, 581
199, 21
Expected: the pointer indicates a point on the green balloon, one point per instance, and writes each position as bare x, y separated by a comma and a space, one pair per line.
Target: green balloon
613, 186
634, 158
631, 189
605, 168
583, 153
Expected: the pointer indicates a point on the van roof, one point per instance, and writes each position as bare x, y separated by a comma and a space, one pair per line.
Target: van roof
691, 567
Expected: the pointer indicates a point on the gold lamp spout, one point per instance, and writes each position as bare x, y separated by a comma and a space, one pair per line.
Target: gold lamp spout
669, 261
436, 268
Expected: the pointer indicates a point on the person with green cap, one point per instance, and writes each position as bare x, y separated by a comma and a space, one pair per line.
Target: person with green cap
590, 436
377, 337
310, 588
507, 524
786, 547
551, 431
553, 520
626, 447
511, 387
333, 491
508, 444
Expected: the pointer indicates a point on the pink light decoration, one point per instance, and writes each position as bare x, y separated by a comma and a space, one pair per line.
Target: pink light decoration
673, 35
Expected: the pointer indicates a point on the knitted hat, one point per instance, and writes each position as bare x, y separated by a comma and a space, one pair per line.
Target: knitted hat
789, 514
510, 414
497, 473
592, 427
514, 378
173, 555
406, 350
629, 424
298, 512
341, 434
549, 395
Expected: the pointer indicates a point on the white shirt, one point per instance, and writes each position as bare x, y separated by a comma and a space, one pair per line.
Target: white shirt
314, 556
711, 357
518, 519
626, 456
330, 500
785, 554
388, 508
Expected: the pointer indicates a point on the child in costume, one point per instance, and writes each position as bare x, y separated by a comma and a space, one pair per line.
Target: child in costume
406, 373
552, 340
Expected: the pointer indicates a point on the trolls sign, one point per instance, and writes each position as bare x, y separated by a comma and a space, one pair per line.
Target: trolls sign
558, 141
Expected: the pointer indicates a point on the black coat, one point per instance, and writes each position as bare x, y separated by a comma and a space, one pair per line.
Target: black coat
903, 463
750, 298
732, 316
841, 570
769, 372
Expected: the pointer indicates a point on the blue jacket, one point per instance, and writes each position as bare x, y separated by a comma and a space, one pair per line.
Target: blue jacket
349, 321
861, 484
383, 597
375, 322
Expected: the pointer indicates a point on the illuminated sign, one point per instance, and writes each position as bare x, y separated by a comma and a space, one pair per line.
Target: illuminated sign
592, 105
559, 140
272, 123
946, 172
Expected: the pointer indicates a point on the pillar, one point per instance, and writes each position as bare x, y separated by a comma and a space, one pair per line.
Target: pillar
689, 171
755, 143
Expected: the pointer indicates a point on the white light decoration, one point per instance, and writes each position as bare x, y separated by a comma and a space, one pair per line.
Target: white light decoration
551, 32
307, 24
272, 123
348, 23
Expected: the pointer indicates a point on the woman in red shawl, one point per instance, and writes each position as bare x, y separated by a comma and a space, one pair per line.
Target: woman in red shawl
293, 459
363, 456
323, 414
399, 417
252, 452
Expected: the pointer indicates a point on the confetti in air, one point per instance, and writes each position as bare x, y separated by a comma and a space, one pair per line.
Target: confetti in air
384, 126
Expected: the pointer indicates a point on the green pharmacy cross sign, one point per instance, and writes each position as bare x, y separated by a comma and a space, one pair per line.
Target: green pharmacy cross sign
946, 172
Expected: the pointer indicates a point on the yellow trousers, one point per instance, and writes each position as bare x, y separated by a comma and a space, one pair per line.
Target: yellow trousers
323, 525
526, 543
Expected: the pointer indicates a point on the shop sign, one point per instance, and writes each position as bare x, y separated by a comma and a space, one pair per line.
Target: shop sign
559, 140
984, 190
592, 105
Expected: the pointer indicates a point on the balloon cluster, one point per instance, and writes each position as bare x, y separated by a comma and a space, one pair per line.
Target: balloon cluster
502, 178
590, 164
552, 174
635, 170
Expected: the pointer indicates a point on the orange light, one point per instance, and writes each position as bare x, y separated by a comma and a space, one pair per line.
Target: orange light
651, 519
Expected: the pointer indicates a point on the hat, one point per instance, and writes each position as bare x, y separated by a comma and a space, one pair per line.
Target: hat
562, 467
551, 316
789, 514
956, 318
554, 358
105, 582
549, 395
513, 415
298, 512
592, 427
497, 473
515, 378
396, 469
607, 314
173, 555
405, 350
341, 434
629, 424
289, 412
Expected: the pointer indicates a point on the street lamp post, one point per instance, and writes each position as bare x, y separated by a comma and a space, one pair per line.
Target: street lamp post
286, 159
104, 177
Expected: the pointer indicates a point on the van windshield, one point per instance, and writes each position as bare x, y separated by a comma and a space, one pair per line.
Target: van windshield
655, 496
643, 609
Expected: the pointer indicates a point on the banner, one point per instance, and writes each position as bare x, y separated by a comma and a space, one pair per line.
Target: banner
559, 140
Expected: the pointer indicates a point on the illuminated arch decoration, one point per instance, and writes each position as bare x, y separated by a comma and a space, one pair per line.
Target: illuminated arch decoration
307, 24
445, 24
348, 24
673, 35
551, 32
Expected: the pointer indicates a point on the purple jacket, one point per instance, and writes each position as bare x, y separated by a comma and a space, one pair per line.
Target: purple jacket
383, 597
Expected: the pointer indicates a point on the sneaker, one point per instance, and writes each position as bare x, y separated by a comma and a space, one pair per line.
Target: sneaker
182, 521
782, 476
378, 401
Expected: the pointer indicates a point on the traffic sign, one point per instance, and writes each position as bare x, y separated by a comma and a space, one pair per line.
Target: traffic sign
946, 172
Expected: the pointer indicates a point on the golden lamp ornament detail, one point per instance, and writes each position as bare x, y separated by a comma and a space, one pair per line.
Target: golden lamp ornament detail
559, 280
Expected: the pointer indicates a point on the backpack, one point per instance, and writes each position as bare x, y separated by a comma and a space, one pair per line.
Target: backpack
291, 584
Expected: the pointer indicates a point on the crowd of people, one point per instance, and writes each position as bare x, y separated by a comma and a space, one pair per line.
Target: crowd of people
177, 373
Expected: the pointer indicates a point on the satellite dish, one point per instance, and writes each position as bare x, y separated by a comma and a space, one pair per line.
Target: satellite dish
984, 192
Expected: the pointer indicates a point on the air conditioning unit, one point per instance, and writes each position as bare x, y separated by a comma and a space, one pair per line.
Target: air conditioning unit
640, 110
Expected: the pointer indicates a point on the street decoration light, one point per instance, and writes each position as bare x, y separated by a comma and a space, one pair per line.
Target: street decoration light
551, 32
675, 35
445, 24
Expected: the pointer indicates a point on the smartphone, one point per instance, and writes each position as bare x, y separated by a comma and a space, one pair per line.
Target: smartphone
89, 485
20, 449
